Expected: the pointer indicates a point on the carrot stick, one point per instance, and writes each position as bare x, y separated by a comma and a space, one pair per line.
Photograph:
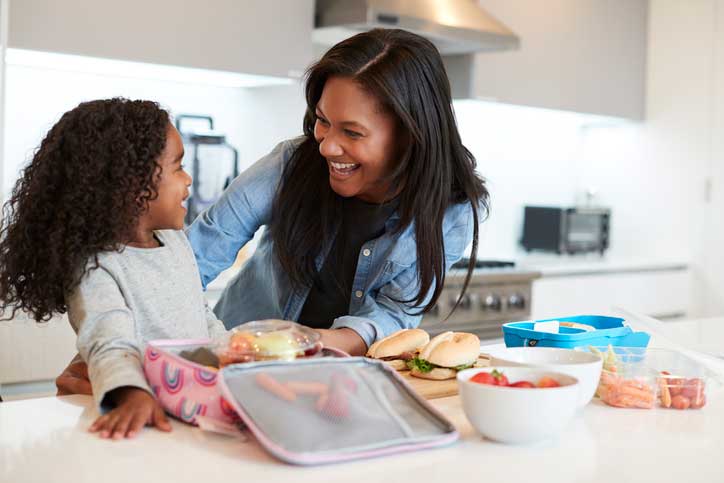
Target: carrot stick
307, 388
270, 384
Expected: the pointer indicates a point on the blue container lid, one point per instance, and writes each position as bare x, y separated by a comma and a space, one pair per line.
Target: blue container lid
607, 329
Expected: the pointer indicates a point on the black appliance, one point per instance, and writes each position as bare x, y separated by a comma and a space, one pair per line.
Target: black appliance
566, 230
202, 196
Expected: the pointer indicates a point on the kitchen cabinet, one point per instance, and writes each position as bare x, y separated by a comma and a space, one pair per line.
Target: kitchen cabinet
709, 256
586, 56
3, 45
661, 293
34, 352
267, 37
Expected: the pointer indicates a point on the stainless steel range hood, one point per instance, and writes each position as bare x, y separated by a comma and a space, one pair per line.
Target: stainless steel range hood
454, 26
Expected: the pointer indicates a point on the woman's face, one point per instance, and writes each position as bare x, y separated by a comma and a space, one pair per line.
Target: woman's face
357, 138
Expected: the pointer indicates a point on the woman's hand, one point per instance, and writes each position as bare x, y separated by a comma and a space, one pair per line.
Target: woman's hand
74, 379
344, 339
135, 408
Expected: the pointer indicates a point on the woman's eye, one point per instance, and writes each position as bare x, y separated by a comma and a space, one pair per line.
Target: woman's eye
352, 134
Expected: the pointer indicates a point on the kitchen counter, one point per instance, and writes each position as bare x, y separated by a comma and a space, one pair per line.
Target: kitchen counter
45, 440
550, 265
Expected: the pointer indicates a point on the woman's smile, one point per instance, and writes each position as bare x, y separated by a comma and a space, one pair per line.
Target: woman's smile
342, 170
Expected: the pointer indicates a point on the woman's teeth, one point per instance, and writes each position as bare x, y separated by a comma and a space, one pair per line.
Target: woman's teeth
344, 168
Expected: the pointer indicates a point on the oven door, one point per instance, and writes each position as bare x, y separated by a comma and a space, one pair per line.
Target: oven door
586, 231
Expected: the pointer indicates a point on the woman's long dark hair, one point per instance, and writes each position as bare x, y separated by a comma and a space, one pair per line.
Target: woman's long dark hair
405, 73
81, 194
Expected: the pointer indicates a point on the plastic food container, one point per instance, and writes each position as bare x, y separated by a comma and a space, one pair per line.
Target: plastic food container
635, 377
606, 330
266, 340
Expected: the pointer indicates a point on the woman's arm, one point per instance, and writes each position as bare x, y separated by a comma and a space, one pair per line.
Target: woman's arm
218, 233
381, 312
345, 339
74, 379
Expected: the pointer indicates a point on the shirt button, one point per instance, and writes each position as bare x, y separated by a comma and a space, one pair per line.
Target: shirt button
358, 294
366, 252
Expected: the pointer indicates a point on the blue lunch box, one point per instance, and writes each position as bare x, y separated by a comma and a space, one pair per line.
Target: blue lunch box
609, 330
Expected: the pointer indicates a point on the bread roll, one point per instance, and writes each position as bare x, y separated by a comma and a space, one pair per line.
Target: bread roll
437, 374
451, 349
406, 340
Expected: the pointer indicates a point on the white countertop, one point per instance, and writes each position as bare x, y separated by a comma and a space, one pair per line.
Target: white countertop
551, 265
44, 440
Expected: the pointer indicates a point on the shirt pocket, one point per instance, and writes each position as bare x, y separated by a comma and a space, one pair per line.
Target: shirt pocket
398, 276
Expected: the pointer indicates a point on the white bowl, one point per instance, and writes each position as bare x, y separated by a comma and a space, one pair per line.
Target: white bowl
518, 415
584, 366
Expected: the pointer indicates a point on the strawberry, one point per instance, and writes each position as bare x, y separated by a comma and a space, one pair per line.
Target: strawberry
522, 384
546, 381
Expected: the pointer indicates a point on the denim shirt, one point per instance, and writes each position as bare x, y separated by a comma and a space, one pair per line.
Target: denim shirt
386, 268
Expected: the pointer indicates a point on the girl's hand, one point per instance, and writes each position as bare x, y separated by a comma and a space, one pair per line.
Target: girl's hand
135, 408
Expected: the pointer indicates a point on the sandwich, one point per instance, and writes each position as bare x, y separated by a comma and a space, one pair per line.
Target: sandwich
445, 355
398, 348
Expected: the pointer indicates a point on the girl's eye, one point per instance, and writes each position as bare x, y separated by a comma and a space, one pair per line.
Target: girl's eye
352, 134
322, 120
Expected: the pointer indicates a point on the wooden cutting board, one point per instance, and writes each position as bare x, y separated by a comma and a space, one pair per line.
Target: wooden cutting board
430, 389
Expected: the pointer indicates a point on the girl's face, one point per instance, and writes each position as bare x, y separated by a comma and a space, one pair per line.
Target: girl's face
167, 210
357, 138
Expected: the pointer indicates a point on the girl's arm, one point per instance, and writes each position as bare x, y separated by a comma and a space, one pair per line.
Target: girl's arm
106, 340
218, 233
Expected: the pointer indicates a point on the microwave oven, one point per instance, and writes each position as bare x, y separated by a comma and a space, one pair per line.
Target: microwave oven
566, 230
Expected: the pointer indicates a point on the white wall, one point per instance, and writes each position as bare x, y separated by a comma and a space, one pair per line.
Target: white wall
528, 156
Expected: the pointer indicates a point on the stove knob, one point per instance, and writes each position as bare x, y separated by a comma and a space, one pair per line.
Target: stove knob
465, 303
516, 301
491, 302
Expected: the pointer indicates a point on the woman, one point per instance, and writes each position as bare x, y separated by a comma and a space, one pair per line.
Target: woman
364, 213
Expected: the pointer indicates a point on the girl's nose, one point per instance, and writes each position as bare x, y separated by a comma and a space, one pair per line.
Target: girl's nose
329, 147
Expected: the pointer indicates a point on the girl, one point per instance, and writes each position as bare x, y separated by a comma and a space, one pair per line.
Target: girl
92, 228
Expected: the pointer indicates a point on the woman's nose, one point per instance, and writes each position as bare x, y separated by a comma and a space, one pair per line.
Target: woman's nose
329, 147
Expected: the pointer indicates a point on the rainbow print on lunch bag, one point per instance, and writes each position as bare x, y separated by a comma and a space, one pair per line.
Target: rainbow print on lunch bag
185, 389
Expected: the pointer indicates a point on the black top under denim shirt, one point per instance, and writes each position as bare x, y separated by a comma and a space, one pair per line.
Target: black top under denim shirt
330, 294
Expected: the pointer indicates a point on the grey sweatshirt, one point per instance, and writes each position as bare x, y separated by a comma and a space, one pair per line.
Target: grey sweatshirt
135, 296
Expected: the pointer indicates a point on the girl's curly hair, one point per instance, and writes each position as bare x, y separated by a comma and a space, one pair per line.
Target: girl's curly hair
82, 193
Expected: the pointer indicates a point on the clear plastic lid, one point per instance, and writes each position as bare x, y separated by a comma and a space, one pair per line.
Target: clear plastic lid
267, 340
